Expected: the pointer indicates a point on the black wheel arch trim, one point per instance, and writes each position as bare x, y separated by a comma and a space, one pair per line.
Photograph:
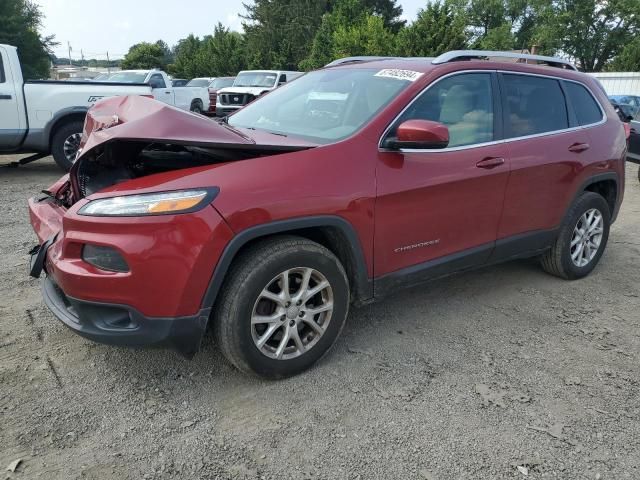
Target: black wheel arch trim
599, 178
61, 117
363, 289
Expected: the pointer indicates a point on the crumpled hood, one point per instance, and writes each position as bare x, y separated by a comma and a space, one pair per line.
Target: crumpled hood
139, 118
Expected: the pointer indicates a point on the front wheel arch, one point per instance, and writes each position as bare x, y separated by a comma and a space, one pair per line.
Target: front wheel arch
313, 228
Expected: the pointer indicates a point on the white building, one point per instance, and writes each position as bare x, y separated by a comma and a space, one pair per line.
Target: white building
619, 83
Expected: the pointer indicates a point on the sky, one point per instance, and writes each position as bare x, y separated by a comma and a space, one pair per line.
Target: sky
98, 26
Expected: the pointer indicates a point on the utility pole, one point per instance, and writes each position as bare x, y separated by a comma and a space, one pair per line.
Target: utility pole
82, 58
69, 45
108, 64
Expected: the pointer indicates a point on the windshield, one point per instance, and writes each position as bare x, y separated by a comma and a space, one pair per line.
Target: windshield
323, 106
255, 79
128, 77
198, 82
219, 83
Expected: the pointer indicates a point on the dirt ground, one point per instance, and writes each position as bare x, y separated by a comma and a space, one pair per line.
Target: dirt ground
504, 372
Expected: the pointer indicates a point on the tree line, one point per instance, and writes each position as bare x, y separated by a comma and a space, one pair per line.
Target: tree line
306, 34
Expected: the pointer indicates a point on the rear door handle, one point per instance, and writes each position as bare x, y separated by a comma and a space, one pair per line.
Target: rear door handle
5, 97
579, 147
491, 162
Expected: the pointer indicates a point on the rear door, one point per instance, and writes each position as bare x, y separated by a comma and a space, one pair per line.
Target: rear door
441, 207
12, 121
547, 150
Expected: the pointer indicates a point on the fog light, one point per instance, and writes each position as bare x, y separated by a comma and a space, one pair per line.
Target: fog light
105, 258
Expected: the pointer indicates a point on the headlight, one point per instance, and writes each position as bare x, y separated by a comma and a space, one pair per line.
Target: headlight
181, 201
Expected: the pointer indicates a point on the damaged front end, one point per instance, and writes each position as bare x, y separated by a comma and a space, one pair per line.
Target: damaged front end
131, 137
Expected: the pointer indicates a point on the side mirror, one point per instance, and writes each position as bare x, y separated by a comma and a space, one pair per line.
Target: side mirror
420, 134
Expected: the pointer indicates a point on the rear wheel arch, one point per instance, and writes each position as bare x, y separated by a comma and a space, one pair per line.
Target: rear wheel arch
64, 117
332, 232
606, 186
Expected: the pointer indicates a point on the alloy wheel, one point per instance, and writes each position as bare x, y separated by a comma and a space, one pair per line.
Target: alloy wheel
587, 237
71, 146
292, 313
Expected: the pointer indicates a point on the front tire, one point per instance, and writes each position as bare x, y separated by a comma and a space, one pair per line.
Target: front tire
65, 143
282, 307
582, 239
196, 107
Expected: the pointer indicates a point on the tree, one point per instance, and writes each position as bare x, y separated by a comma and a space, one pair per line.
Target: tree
221, 54
389, 10
368, 37
629, 59
440, 27
144, 56
279, 33
591, 31
20, 21
185, 54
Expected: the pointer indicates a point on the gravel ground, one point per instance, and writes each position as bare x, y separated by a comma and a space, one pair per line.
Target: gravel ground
504, 372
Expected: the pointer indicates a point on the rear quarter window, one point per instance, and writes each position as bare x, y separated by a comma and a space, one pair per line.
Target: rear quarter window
533, 105
584, 105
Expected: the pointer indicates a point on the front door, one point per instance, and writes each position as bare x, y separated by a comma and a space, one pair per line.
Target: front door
439, 210
12, 123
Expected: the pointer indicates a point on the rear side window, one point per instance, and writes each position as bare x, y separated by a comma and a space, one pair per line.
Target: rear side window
533, 105
2, 77
156, 81
464, 103
583, 103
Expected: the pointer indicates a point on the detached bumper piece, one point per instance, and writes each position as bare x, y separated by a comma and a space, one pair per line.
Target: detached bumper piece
123, 325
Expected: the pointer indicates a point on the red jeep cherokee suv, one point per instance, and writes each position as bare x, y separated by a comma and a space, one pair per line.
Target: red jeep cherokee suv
336, 189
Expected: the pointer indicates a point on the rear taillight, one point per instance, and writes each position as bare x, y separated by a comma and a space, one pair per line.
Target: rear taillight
627, 130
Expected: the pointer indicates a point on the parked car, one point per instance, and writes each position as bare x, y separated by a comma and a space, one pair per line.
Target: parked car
248, 86
625, 112
336, 189
195, 99
633, 155
215, 85
43, 117
632, 101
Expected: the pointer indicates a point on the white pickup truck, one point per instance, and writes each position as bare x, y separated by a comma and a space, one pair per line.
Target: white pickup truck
195, 99
44, 117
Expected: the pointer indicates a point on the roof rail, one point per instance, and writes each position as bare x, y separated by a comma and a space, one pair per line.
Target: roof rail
457, 55
342, 61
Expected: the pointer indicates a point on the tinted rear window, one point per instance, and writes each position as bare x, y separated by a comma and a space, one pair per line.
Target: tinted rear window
583, 103
533, 105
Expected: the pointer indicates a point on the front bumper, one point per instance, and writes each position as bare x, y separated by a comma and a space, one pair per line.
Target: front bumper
159, 301
123, 325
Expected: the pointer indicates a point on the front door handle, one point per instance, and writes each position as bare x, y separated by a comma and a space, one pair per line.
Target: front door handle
5, 97
579, 147
491, 162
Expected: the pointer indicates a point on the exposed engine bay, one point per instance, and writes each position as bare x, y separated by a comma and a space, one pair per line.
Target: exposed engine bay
118, 162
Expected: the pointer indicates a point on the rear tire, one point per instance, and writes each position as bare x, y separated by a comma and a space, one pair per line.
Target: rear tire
582, 239
264, 331
65, 142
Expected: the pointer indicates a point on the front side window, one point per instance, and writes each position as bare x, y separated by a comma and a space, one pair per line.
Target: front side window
156, 81
464, 103
533, 105
583, 103
322, 106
